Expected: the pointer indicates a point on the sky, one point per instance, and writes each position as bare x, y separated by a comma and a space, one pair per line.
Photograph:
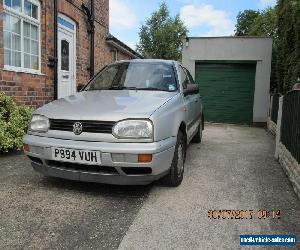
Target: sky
202, 17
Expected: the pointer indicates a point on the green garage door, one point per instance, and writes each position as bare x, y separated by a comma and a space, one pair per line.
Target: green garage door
227, 90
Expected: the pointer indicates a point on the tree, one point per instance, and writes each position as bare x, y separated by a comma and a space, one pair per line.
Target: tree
260, 23
245, 20
288, 62
265, 24
282, 23
161, 36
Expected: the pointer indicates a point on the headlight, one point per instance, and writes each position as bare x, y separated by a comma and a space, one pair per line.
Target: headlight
39, 123
137, 129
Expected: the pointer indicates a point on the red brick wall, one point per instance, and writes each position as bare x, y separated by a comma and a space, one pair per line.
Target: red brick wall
123, 56
29, 89
36, 90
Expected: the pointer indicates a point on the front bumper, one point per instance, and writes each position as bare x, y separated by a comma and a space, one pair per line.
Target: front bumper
110, 171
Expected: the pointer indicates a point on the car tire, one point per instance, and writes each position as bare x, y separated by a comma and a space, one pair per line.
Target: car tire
175, 175
198, 136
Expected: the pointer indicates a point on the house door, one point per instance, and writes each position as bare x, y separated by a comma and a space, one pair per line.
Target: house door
66, 57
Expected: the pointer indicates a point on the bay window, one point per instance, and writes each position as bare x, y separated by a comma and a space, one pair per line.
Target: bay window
21, 35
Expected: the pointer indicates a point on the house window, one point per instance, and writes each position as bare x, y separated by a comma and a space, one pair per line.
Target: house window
65, 63
65, 23
21, 35
115, 55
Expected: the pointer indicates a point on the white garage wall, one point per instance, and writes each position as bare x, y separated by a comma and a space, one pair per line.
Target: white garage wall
236, 49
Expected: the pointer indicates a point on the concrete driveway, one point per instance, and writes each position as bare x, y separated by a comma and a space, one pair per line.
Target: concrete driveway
233, 168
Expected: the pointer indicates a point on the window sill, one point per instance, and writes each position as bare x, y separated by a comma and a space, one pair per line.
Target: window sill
22, 70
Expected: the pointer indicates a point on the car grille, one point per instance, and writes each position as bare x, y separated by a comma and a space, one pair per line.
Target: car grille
87, 126
82, 167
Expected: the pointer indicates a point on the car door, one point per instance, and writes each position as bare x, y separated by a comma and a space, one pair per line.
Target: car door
196, 109
188, 101
196, 98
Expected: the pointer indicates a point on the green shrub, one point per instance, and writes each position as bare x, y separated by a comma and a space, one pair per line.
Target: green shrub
14, 121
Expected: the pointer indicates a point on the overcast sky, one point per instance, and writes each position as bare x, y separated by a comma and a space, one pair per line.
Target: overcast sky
202, 17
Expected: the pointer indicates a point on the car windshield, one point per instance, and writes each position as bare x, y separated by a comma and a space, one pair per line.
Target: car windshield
135, 75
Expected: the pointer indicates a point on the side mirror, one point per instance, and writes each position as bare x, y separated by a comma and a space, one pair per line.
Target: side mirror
191, 89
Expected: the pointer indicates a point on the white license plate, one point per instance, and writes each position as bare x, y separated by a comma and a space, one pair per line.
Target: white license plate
76, 156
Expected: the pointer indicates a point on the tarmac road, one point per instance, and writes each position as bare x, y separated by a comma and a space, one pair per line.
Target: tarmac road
47, 213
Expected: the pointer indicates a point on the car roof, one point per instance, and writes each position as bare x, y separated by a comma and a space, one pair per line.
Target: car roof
150, 61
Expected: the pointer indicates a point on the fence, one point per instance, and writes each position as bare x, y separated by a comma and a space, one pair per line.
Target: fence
273, 113
290, 123
287, 133
274, 107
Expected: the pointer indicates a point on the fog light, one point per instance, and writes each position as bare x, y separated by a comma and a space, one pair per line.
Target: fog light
26, 147
145, 158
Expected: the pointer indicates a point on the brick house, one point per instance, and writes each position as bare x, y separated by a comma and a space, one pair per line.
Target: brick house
50, 48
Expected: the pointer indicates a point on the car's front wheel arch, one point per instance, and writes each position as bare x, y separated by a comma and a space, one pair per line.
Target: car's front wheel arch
175, 174
182, 129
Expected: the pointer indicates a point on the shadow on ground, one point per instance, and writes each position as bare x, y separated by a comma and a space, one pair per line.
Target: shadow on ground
39, 212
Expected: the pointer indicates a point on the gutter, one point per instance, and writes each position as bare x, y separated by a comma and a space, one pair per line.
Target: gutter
92, 56
91, 21
55, 59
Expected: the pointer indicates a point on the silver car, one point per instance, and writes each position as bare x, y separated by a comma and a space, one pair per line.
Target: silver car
129, 125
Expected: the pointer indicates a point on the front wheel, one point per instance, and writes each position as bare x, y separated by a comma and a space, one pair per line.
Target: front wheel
175, 175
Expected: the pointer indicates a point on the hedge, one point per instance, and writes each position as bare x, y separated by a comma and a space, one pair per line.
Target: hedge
14, 122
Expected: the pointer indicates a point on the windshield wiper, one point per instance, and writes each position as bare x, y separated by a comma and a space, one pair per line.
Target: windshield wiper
151, 88
134, 88
118, 87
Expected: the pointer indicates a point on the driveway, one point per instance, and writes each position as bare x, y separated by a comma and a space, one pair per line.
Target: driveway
233, 168
47, 213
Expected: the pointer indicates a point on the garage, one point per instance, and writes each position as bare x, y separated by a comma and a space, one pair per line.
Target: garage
233, 74
228, 90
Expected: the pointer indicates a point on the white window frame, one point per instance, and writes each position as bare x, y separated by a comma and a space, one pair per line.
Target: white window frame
21, 15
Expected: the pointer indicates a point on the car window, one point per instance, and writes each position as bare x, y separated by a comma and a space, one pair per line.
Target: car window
189, 76
137, 75
106, 79
184, 79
